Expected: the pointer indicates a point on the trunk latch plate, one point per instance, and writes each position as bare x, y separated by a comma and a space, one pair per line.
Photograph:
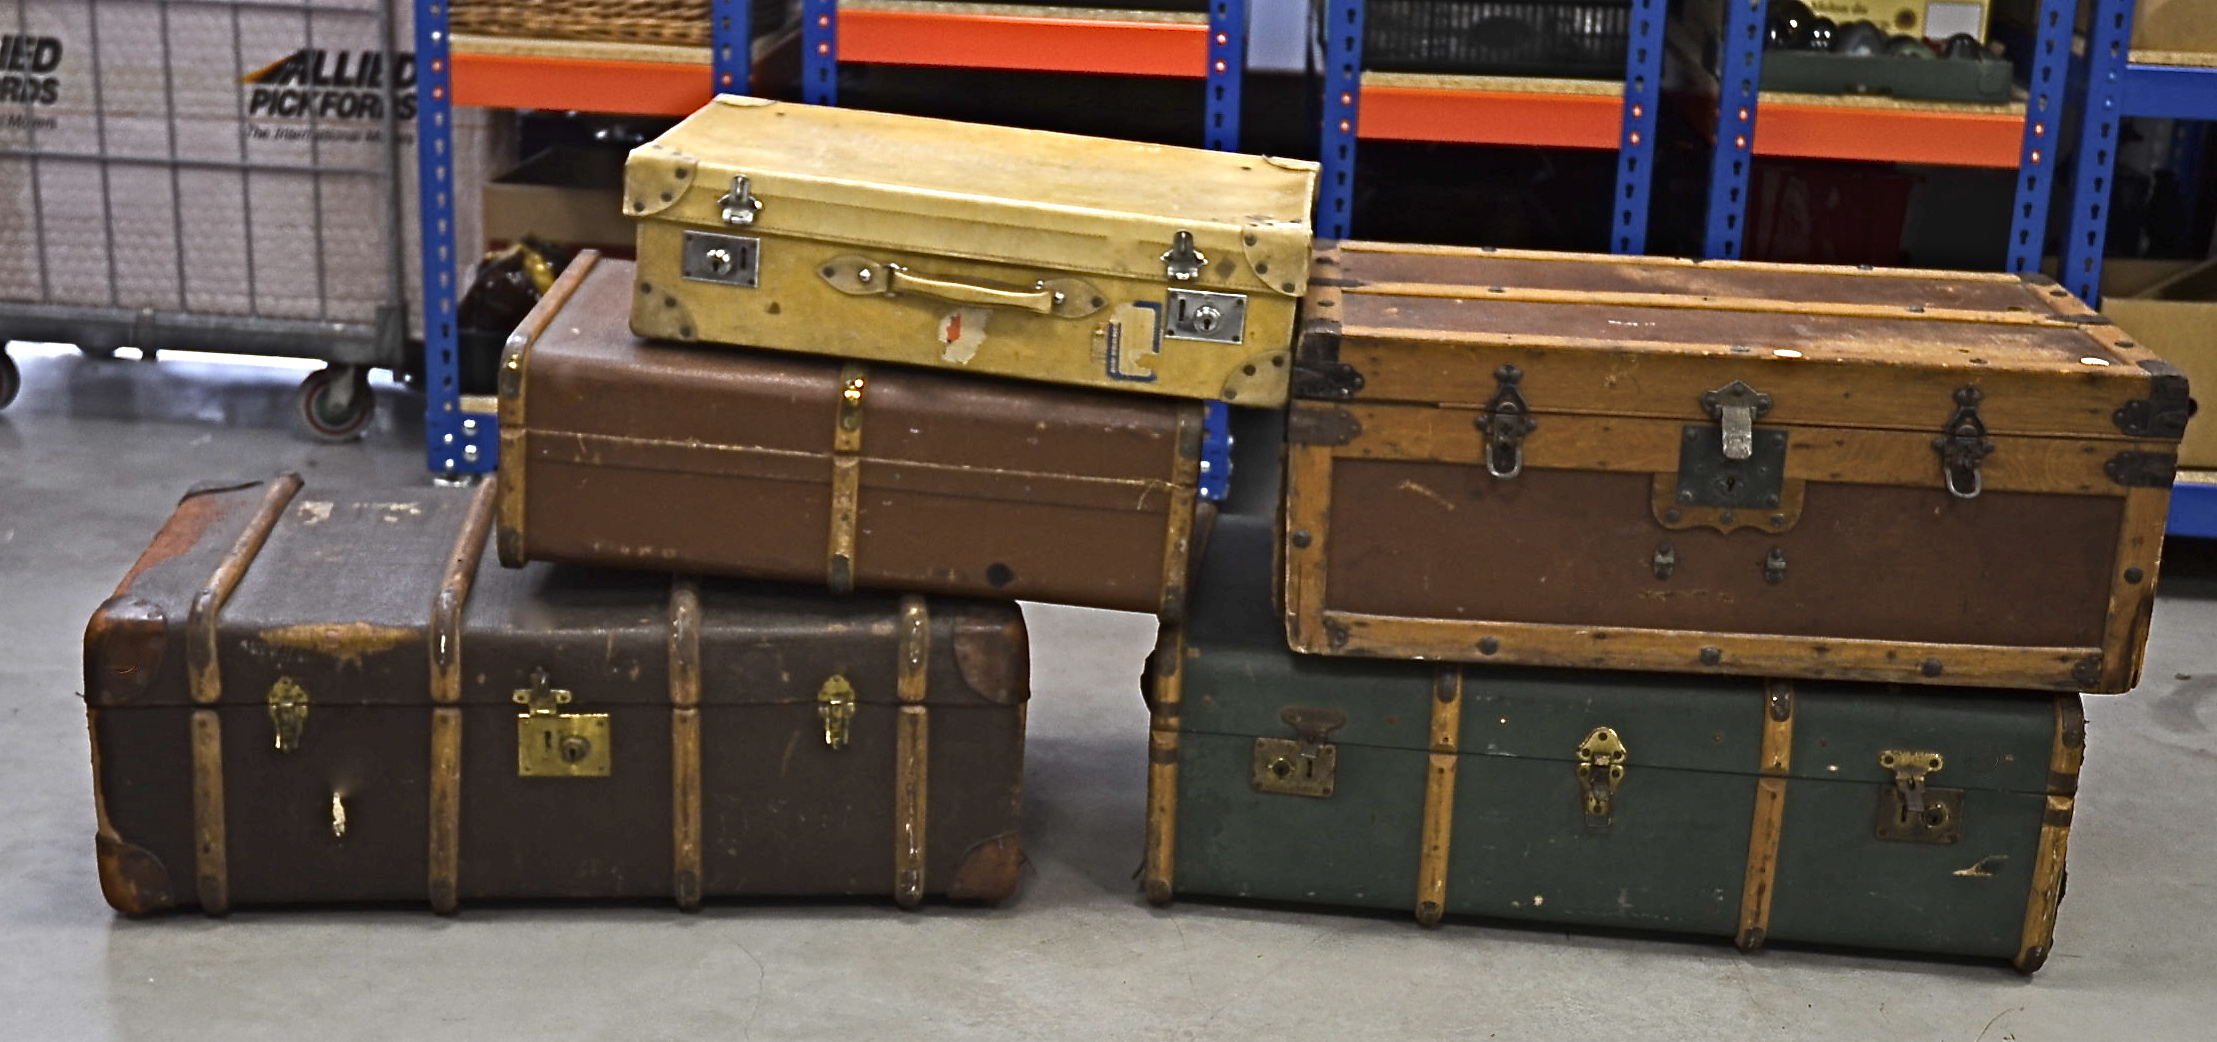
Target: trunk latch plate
1909, 811
1303, 766
554, 744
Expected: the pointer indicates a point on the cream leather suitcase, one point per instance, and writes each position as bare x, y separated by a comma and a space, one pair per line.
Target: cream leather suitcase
1022, 253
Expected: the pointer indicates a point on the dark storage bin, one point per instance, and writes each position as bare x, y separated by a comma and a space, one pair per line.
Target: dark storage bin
1586, 38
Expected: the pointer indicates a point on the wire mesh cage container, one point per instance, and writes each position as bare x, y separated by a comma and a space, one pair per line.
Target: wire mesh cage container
1583, 38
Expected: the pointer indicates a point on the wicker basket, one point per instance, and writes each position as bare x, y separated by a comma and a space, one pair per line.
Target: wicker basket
682, 23
1502, 37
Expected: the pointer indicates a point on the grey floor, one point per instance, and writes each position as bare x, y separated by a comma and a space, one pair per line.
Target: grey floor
94, 454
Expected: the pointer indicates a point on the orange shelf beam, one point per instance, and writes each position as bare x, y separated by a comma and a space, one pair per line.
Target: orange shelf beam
983, 41
643, 88
1483, 117
1888, 135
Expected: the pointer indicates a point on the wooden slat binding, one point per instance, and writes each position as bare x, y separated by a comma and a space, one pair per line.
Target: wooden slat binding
1439, 795
446, 809
515, 365
1166, 686
2066, 753
1770, 814
912, 753
211, 853
846, 477
1177, 542
685, 741
444, 645
1681, 301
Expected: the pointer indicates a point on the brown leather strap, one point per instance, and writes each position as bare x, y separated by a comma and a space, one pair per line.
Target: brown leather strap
1166, 682
846, 477
205, 679
912, 754
1770, 814
685, 741
515, 366
1439, 795
444, 843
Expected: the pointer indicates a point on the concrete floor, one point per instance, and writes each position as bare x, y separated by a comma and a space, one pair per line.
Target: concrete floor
94, 455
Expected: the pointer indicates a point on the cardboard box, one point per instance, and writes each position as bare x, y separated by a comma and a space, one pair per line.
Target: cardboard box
2171, 307
568, 195
2176, 27
1937, 19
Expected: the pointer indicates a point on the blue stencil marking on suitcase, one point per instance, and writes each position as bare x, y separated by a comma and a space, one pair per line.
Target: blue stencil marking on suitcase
1123, 365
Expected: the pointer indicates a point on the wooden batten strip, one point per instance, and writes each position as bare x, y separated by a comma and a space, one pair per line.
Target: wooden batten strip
846, 477
1158, 871
685, 741
1439, 795
444, 842
1686, 302
1848, 270
1177, 542
1307, 512
205, 677
912, 753
1681, 651
446, 809
515, 369
2066, 754
211, 853
1761, 881
2131, 593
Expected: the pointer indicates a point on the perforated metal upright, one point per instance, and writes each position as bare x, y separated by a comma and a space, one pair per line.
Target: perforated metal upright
1643, 74
1732, 162
731, 39
2046, 94
820, 52
455, 443
1227, 58
1343, 76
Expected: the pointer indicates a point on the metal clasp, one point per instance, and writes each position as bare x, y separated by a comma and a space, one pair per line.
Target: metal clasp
1183, 263
740, 205
1666, 561
1774, 566
1600, 770
835, 703
1735, 407
1911, 812
1305, 766
1507, 420
288, 712
554, 744
1962, 444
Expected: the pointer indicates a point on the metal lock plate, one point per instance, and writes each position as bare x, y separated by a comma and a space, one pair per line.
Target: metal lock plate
1909, 811
288, 713
1190, 314
1303, 766
727, 260
554, 744
1600, 770
1707, 478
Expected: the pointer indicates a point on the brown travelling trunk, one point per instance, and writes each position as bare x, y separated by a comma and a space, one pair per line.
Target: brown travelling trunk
623, 451
1637, 463
318, 695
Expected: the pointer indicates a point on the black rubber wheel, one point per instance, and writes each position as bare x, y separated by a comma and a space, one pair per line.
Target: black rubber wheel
324, 422
11, 379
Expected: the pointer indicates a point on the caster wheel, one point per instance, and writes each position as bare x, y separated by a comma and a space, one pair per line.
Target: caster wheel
332, 412
11, 380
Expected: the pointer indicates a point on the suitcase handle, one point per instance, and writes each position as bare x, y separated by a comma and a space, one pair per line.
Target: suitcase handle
1060, 298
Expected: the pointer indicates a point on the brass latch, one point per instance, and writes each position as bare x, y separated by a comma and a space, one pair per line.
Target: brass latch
1962, 444
1507, 420
1909, 811
1600, 771
1735, 407
288, 712
835, 703
1303, 766
554, 744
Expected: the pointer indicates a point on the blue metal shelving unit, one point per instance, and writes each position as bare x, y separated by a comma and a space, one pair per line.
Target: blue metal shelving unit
456, 444
1342, 121
1738, 112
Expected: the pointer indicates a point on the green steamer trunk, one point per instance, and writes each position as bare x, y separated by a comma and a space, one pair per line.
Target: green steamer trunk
1812, 811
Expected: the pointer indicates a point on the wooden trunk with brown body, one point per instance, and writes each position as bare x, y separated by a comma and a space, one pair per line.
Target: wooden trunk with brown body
1528, 458
318, 695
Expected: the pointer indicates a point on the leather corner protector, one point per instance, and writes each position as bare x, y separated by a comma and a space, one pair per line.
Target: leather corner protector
658, 314
125, 643
994, 657
990, 871
1278, 255
133, 880
655, 178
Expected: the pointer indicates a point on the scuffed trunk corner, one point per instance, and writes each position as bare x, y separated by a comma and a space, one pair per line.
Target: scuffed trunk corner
990, 871
993, 652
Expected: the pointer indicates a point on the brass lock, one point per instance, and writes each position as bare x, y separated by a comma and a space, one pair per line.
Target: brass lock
1600, 770
1303, 766
1909, 811
554, 744
835, 704
288, 712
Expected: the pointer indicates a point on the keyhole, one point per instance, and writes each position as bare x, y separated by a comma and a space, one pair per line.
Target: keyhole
719, 261
1205, 318
575, 748
1935, 816
1728, 484
1281, 768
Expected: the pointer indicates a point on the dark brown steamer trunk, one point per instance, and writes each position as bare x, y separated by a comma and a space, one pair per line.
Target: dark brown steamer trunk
1642, 463
315, 696
622, 451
